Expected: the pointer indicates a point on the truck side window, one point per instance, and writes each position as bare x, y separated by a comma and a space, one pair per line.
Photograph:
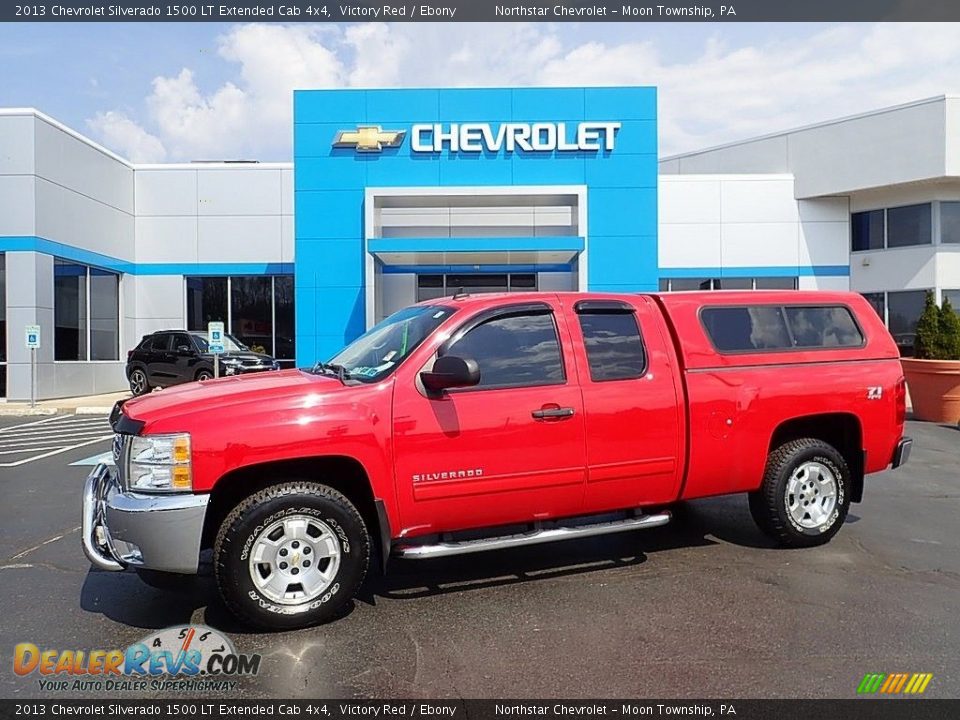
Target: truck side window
832, 326
517, 350
772, 327
743, 329
614, 348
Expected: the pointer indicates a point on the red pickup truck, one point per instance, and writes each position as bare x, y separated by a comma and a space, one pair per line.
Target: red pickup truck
469, 424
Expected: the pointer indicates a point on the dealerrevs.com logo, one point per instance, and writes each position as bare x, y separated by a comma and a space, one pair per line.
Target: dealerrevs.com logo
180, 658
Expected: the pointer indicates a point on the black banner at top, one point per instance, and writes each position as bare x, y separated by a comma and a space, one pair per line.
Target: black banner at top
287, 11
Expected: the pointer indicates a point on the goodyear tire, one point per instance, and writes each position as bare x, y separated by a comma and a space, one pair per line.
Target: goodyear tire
291, 555
805, 493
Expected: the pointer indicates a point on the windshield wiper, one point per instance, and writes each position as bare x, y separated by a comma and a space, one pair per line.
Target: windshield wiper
339, 370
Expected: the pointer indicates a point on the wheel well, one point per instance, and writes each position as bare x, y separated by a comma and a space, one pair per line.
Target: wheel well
841, 430
343, 474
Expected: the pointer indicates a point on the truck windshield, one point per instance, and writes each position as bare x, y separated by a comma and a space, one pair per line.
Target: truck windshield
381, 349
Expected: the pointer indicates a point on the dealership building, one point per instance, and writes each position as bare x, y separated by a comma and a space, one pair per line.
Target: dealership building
396, 196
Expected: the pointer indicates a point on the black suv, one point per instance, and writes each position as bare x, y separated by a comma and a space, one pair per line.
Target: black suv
171, 357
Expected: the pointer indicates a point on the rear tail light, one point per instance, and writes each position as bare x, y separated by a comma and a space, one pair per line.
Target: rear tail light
901, 409
129, 354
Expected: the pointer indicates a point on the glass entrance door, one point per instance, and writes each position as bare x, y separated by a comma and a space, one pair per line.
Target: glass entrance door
437, 286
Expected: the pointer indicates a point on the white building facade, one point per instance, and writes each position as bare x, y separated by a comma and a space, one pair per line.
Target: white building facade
99, 251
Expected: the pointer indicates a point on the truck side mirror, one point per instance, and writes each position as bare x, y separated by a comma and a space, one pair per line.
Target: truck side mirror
450, 371
184, 350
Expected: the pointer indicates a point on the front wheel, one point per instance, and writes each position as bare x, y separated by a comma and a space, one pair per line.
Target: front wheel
204, 375
805, 493
291, 555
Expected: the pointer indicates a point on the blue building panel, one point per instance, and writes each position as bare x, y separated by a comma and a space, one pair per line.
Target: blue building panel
330, 184
475, 104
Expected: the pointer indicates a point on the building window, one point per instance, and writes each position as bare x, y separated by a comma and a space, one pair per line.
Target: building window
251, 305
206, 301
866, 230
679, 284
256, 309
909, 225
104, 315
86, 312
954, 297
733, 284
283, 319
760, 283
950, 222
904, 310
431, 287
879, 303
69, 310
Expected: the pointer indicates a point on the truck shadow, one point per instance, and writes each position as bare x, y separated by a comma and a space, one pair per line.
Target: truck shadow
125, 598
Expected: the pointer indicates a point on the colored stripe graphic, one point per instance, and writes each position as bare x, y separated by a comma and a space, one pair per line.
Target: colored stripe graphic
894, 683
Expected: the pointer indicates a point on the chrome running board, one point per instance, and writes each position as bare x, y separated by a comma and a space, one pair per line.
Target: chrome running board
443, 549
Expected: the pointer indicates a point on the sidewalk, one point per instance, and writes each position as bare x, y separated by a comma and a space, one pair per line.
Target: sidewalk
87, 405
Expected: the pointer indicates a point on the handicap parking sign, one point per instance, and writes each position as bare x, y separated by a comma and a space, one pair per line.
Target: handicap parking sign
32, 336
215, 337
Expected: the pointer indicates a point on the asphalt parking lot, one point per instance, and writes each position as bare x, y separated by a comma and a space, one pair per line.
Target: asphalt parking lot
704, 607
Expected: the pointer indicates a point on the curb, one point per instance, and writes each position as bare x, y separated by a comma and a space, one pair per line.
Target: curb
92, 410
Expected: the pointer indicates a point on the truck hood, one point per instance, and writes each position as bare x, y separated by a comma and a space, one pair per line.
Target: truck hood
261, 390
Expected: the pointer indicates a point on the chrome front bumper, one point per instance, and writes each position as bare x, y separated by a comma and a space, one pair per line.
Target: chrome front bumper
125, 529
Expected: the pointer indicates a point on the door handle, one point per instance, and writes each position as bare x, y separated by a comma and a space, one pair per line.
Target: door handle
552, 413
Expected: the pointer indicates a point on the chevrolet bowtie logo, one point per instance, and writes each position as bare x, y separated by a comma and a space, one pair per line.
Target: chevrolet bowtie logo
369, 138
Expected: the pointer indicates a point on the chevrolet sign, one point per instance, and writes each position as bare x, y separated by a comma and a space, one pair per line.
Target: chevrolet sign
510, 137
369, 138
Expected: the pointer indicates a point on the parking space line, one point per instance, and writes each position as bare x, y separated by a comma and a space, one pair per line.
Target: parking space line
54, 452
20, 451
51, 436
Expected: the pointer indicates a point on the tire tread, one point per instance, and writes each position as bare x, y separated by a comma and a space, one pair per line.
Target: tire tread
765, 501
274, 492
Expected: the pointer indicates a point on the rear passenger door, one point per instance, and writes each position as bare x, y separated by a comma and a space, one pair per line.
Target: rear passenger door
156, 360
630, 401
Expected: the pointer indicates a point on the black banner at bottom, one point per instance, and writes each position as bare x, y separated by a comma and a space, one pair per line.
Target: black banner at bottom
854, 709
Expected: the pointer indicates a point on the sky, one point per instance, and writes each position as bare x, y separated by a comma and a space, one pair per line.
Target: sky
155, 92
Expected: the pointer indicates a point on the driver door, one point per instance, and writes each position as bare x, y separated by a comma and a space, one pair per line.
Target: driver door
511, 449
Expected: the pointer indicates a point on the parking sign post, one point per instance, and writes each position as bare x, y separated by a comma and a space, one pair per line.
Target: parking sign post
215, 342
32, 341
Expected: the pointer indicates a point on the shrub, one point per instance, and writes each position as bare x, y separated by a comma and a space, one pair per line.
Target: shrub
949, 331
938, 331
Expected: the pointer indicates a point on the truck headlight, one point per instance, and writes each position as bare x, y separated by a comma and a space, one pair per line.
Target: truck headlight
160, 463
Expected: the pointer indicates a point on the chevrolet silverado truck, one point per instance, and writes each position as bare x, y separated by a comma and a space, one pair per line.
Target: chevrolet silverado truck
477, 423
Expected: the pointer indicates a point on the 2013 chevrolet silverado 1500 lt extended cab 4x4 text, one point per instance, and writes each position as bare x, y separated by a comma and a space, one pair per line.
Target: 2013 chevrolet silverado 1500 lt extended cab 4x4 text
468, 424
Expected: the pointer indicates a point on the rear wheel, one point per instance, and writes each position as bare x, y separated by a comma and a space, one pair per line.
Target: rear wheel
805, 493
291, 555
139, 385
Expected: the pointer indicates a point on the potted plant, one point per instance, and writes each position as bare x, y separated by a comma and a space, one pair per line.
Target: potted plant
933, 375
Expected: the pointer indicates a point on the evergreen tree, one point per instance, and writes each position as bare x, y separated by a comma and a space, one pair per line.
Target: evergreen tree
949, 331
928, 344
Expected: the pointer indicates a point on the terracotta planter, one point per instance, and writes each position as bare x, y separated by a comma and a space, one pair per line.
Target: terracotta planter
934, 389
